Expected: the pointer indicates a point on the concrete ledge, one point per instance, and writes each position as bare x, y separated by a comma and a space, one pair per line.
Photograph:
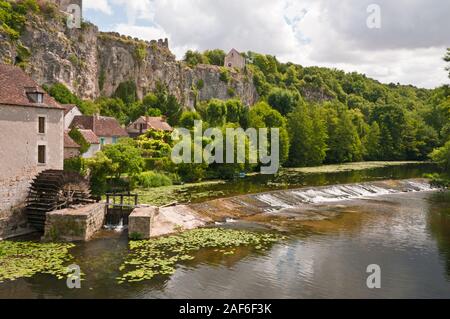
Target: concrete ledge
75, 224
140, 222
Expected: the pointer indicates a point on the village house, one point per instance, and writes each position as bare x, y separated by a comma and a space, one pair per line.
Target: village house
31, 141
107, 129
70, 111
234, 60
71, 148
145, 123
94, 142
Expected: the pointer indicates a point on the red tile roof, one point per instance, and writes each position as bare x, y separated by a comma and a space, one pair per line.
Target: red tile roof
15, 84
158, 124
69, 142
154, 123
90, 136
102, 126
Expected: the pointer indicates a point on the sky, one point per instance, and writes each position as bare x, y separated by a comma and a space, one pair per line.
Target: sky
405, 42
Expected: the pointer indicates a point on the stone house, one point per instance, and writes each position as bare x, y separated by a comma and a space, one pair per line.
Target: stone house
70, 111
31, 141
145, 123
234, 60
107, 129
93, 140
71, 148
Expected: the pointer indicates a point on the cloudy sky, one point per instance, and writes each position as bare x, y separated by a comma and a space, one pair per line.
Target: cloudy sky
407, 48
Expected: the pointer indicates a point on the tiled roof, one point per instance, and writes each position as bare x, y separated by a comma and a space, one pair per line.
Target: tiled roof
90, 136
158, 124
14, 84
102, 126
68, 108
154, 123
69, 142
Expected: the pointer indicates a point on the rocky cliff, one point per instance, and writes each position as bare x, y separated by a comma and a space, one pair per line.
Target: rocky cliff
93, 63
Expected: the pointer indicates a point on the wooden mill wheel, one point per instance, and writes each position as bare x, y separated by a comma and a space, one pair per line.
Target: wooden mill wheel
54, 190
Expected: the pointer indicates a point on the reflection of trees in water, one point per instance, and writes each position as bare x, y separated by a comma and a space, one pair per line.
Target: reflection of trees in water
439, 224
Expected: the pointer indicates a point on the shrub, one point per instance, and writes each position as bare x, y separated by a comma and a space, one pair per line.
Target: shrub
224, 75
152, 179
74, 165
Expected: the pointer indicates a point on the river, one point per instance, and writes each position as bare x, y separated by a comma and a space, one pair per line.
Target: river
406, 234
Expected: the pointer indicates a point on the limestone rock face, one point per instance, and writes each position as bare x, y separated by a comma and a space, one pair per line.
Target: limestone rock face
92, 63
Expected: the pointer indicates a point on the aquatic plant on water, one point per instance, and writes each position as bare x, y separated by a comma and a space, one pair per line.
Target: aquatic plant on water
26, 259
150, 258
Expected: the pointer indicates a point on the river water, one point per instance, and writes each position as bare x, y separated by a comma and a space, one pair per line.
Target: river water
406, 234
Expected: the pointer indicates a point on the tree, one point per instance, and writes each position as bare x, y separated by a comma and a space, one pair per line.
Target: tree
188, 118
216, 112
282, 100
308, 136
215, 57
193, 58
127, 92
371, 143
125, 158
447, 59
344, 142
173, 110
261, 115
442, 157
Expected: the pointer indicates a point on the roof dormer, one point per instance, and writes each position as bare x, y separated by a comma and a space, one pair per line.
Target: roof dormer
35, 95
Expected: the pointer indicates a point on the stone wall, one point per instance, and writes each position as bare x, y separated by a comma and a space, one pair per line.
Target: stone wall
75, 224
19, 140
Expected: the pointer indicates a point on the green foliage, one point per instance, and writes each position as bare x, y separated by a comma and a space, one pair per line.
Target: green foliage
442, 157
141, 52
127, 92
26, 259
372, 143
447, 59
159, 257
62, 94
125, 158
262, 115
74, 164
224, 75
100, 167
167, 103
215, 57
200, 84
153, 179
188, 118
344, 143
216, 112
76, 135
193, 58
283, 100
308, 137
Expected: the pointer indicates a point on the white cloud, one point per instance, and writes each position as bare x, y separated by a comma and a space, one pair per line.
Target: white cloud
98, 5
407, 49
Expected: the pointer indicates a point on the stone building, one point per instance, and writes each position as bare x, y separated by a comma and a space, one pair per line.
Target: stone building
107, 129
145, 123
70, 111
31, 140
234, 60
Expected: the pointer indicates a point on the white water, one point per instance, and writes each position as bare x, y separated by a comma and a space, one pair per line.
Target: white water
117, 228
294, 198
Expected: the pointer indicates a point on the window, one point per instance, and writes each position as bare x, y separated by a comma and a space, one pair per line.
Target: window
41, 125
102, 141
114, 140
41, 154
40, 98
